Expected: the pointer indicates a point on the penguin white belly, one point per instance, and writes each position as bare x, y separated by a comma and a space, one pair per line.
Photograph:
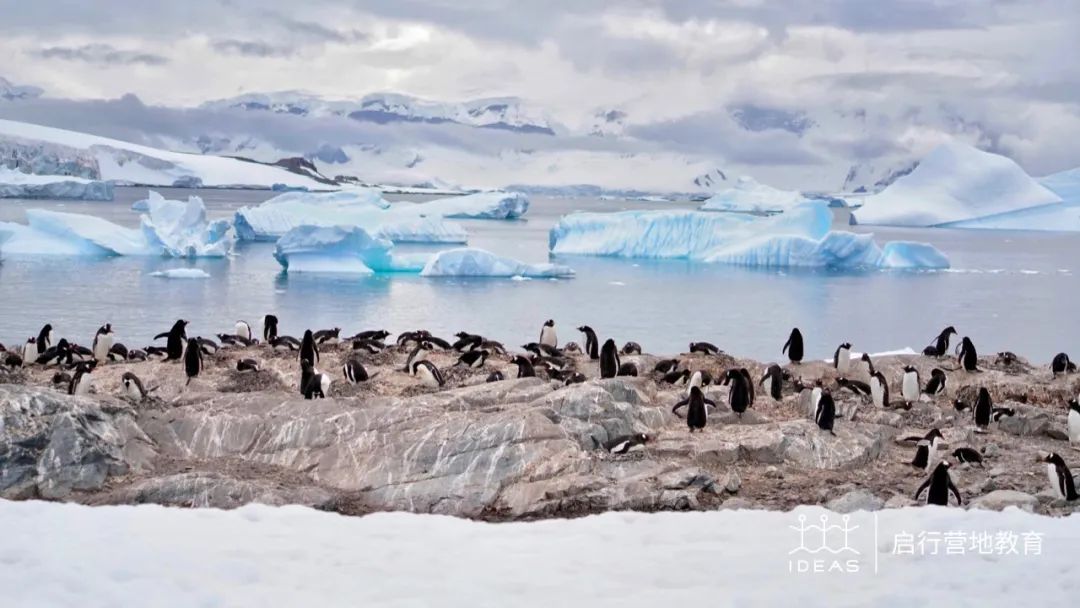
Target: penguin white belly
910, 388
843, 361
815, 399
83, 385
1055, 485
243, 330
426, 377
133, 391
547, 337
325, 385
101, 349
1074, 427
877, 393
29, 353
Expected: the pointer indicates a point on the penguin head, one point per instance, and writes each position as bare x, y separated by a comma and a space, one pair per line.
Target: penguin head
846, 345
308, 335
1051, 458
937, 373
32, 341
865, 357
549, 323
935, 436
959, 405
1074, 405
572, 347
461, 335
949, 331
584, 329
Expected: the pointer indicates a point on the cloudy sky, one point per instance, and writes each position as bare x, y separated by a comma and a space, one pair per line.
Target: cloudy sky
876, 77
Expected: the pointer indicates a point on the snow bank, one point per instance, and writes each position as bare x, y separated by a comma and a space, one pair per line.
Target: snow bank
482, 205
16, 184
481, 263
340, 249
58, 554
181, 273
799, 238
749, 195
957, 183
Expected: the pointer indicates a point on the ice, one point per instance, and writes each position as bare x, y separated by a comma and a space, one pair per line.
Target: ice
180, 229
359, 207
482, 205
16, 184
340, 249
181, 273
749, 195
799, 238
960, 186
1053, 217
1065, 184
474, 262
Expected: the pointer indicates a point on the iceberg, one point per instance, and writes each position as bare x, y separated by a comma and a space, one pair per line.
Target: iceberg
799, 238
482, 206
1065, 184
472, 262
749, 195
181, 273
959, 186
180, 229
341, 249
16, 184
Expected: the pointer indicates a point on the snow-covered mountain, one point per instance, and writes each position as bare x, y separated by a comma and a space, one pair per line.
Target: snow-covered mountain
871, 178
608, 123
9, 91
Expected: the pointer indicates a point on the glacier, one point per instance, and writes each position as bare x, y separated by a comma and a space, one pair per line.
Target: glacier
473, 262
799, 238
16, 184
341, 249
496, 205
959, 186
749, 195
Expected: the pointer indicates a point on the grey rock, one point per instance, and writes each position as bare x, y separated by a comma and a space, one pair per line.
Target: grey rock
855, 500
736, 503
732, 482
991, 450
1027, 422
852, 445
216, 491
1001, 499
773, 472
898, 501
1057, 433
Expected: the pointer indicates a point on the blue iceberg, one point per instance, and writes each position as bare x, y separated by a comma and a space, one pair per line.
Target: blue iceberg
472, 262
749, 195
341, 249
16, 184
496, 205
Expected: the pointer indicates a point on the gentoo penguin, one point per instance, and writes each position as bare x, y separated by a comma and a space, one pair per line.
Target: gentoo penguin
1062, 365
246, 366
1074, 422
193, 361
1061, 479
984, 409
631, 348
436, 341
666, 366
870, 371
628, 369
547, 334
704, 347
60, 378
940, 345
44, 341
82, 380
621, 444
696, 413
242, 330
269, 328
473, 358
13, 360
773, 381
136, 354
174, 346
967, 355
794, 346
328, 336
30, 350
825, 417
466, 342
749, 383
118, 352
378, 335
81, 353
677, 377
860, 389
60, 354
879, 390
418, 353
574, 378
609, 359
354, 371
936, 384
968, 455
103, 341
842, 358
910, 389
525, 367
428, 374
940, 484
370, 346
207, 346
495, 376
542, 350
572, 347
313, 384
133, 387
592, 345
815, 398
309, 350
739, 391
927, 450
285, 343
156, 351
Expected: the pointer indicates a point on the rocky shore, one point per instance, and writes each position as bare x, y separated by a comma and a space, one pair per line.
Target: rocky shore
513, 449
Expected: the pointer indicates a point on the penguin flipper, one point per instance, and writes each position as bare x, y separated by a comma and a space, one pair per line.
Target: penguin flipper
595, 442
956, 492
160, 336
683, 403
924, 485
711, 403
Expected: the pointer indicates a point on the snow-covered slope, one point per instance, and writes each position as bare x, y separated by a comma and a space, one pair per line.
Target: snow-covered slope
40, 148
16, 184
749, 195
955, 183
874, 177
11, 92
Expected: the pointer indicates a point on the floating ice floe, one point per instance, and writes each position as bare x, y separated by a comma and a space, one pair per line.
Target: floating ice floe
959, 186
180, 229
360, 207
471, 262
798, 238
16, 184
341, 249
181, 273
482, 206
749, 195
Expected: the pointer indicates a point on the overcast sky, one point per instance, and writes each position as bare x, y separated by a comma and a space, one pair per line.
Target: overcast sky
876, 75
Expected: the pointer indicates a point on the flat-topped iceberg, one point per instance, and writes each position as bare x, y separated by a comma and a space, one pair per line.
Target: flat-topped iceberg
181, 273
957, 185
340, 249
16, 184
749, 195
799, 238
482, 206
472, 262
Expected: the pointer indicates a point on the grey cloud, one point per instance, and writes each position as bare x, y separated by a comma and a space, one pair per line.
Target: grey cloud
251, 48
101, 54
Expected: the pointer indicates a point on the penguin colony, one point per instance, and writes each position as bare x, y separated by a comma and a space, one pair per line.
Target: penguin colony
76, 364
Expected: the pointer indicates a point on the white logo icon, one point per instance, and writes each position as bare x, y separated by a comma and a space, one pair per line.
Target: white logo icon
839, 534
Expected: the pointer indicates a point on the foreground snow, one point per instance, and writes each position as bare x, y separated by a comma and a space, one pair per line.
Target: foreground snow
749, 195
16, 184
472, 262
800, 238
56, 554
960, 186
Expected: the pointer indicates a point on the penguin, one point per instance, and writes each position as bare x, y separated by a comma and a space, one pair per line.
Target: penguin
572, 347
547, 334
1061, 479
968, 455
677, 377
842, 358
473, 358
118, 352
984, 409
525, 367
704, 347
631, 348
574, 378
940, 345
939, 484
825, 416
542, 350
354, 371
879, 390
815, 398
59, 354
313, 384
136, 354
309, 350
82, 380
927, 449
936, 384
174, 346
466, 342
193, 360
429, 374
44, 341
860, 389
156, 351
207, 346
13, 360
1074, 422
749, 380
696, 413
245, 366
910, 389
1002, 412
372, 347
967, 356
794, 346
243, 330
328, 336
419, 353
609, 359
739, 392
628, 369
774, 375
1062, 365
81, 353
592, 345
621, 444
270, 331
378, 335
667, 365
30, 350
870, 371
495, 376
285, 343
103, 342
230, 340
61, 378
133, 387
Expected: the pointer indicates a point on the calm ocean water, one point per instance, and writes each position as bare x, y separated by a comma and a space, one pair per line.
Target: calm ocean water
1007, 290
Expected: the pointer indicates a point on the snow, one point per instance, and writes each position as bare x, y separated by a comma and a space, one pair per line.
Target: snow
181, 230
16, 184
181, 273
961, 186
749, 195
340, 249
1065, 184
481, 263
357, 207
496, 205
799, 238
57, 554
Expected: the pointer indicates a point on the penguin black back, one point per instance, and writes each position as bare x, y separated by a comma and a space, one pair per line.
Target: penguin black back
174, 347
968, 357
825, 416
525, 367
794, 346
592, 345
940, 345
739, 397
695, 404
939, 484
309, 350
270, 330
193, 361
609, 359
